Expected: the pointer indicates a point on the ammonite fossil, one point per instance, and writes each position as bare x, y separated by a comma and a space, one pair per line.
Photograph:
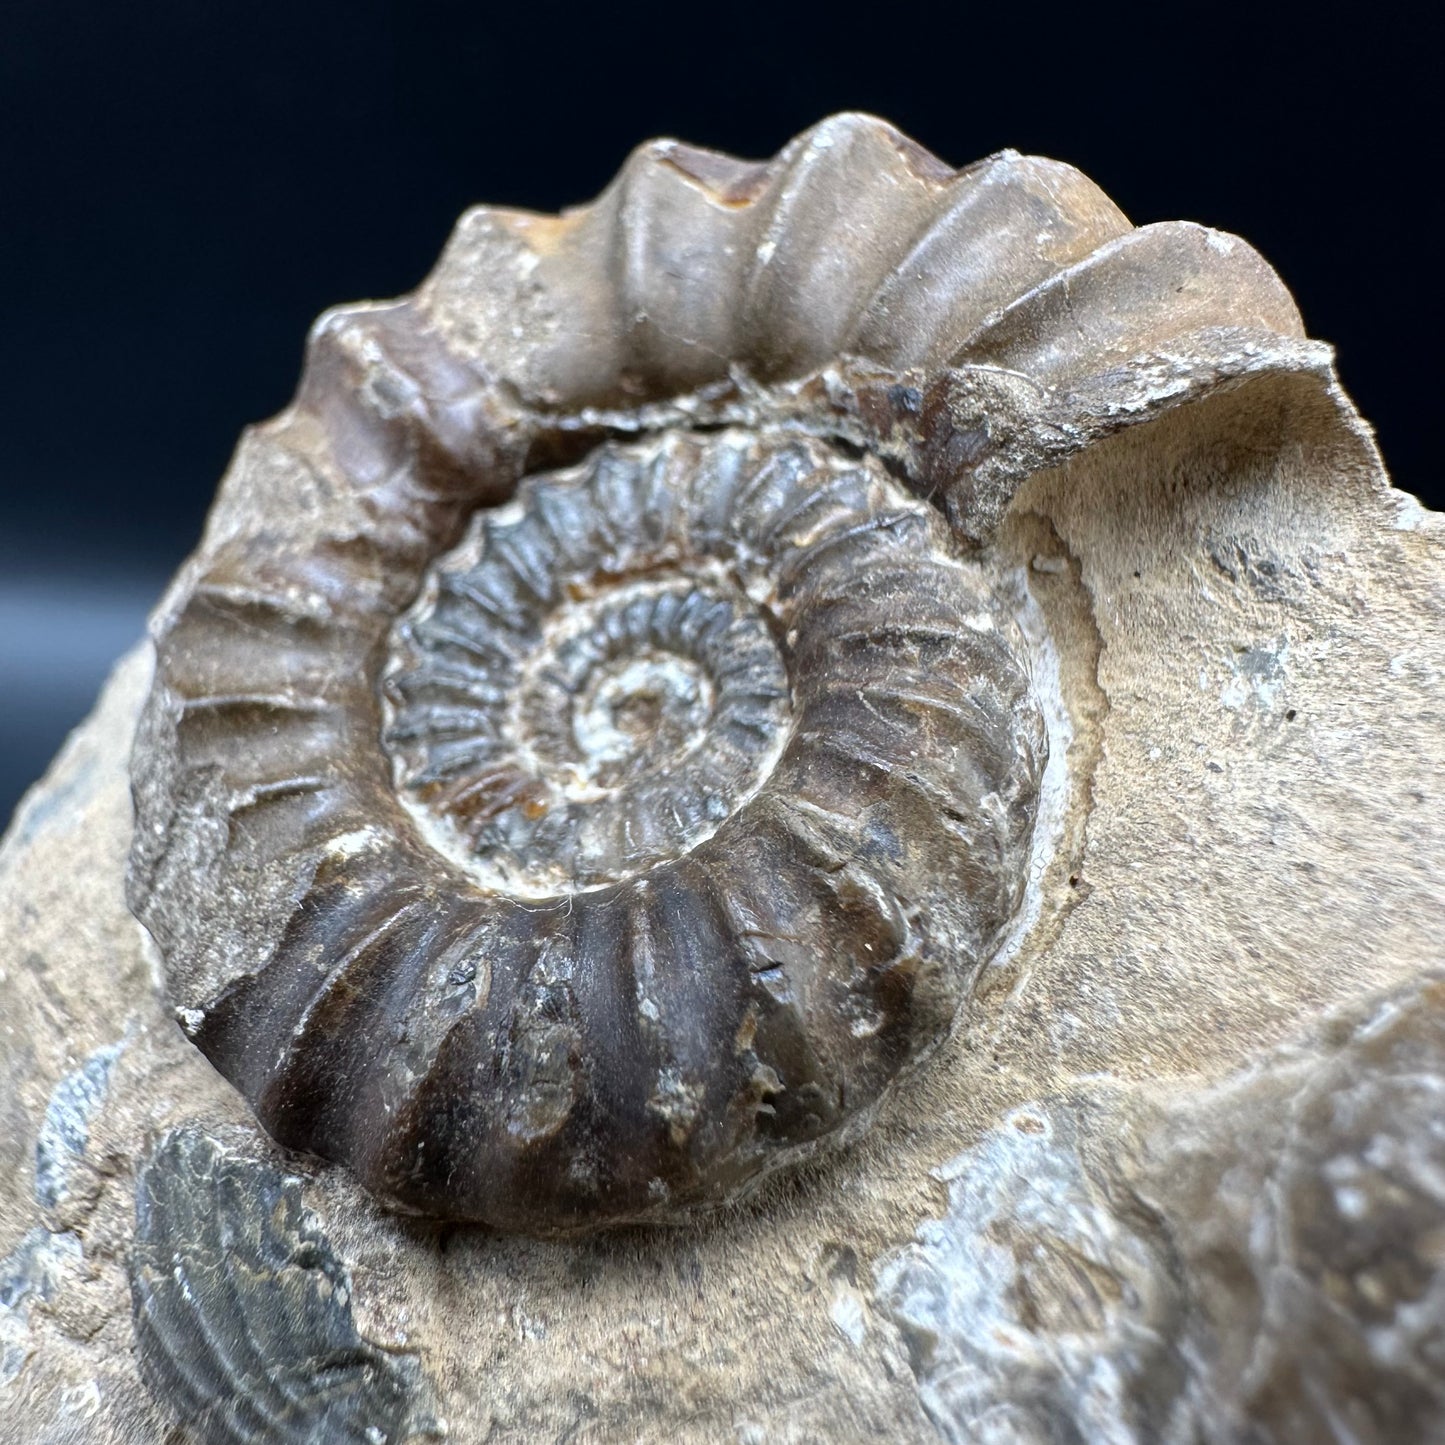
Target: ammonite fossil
586, 765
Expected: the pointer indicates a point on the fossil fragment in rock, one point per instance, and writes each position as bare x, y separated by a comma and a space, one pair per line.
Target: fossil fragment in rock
585, 766
243, 1310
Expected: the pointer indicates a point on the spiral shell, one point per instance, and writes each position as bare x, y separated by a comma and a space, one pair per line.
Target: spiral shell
584, 767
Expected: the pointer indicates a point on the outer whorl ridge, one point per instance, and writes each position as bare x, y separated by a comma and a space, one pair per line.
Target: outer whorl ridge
582, 769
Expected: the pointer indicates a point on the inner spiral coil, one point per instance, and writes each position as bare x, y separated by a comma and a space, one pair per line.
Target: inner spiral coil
579, 692
605, 671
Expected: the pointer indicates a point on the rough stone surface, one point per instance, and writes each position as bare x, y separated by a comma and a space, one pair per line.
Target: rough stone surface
1180, 1176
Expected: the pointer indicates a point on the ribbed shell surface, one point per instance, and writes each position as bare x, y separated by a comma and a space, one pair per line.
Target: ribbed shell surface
584, 767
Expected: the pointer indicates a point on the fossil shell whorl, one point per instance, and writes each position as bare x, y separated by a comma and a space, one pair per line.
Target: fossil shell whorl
579, 860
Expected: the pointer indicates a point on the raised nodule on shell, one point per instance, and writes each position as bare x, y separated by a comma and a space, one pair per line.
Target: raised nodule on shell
584, 767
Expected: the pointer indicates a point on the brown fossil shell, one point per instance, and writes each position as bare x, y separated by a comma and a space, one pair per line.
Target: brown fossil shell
584, 766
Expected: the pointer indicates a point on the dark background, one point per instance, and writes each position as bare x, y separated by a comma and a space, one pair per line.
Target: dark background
184, 184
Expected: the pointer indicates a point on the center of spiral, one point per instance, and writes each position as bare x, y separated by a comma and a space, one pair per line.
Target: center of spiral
639, 713
634, 682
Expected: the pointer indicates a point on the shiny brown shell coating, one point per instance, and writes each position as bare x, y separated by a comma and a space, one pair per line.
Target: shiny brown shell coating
580, 862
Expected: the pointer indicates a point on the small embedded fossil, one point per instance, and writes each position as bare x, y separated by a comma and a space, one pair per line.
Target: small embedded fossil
243, 1314
584, 768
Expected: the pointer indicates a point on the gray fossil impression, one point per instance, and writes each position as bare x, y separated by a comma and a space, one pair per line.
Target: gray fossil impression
243, 1310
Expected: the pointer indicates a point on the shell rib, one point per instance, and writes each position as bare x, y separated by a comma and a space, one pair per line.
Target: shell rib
580, 860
